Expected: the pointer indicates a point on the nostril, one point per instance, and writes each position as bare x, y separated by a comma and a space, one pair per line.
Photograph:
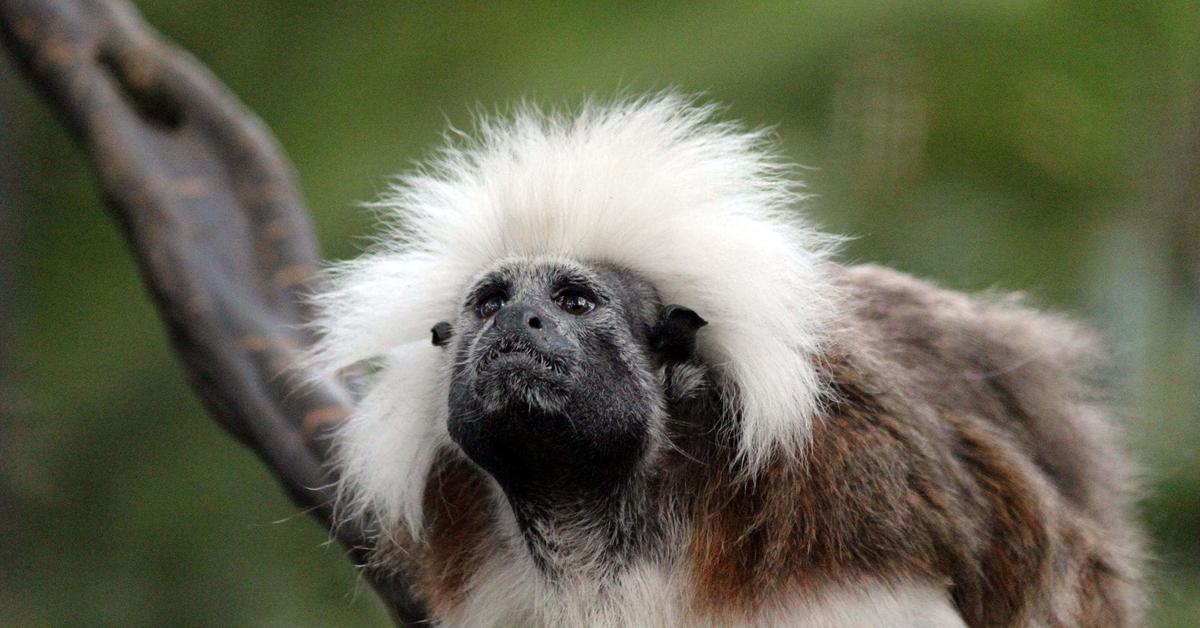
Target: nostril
535, 322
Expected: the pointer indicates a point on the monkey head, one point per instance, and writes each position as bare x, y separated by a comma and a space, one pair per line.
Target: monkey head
556, 383
547, 259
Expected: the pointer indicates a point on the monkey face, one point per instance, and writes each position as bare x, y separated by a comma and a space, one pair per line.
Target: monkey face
556, 381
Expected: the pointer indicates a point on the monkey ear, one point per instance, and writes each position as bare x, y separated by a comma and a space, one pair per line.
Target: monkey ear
674, 334
442, 333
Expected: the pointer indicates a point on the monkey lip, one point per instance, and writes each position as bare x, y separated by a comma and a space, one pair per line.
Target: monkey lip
510, 373
515, 354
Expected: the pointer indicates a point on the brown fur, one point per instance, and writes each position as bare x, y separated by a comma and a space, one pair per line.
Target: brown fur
457, 525
960, 443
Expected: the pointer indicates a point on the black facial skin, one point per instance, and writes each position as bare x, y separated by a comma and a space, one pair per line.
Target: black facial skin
555, 390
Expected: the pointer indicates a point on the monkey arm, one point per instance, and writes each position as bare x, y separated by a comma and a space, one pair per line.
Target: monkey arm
212, 213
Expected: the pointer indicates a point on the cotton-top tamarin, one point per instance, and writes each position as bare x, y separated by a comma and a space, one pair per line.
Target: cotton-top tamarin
617, 381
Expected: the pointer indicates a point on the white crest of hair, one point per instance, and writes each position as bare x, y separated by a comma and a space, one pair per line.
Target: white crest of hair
706, 210
388, 444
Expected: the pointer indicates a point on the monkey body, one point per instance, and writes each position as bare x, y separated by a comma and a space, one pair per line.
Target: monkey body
936, 461
682, 413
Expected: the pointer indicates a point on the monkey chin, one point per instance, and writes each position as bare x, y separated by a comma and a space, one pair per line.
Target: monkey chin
523, 426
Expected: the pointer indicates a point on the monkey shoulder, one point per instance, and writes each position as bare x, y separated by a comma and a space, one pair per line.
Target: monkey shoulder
963, 441
949, 361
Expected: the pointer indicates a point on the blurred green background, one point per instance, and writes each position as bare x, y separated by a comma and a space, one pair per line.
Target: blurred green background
1047, 147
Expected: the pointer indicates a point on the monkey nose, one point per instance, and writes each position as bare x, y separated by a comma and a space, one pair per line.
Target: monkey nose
519, 318
534, 325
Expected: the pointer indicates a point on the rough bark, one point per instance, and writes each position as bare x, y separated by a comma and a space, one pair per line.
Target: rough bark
212, 213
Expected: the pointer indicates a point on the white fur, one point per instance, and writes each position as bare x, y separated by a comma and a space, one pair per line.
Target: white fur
510, 591
703, 209
870, 604
388, 445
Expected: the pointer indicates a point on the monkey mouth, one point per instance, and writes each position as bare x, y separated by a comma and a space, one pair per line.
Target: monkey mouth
514, 354
513, 374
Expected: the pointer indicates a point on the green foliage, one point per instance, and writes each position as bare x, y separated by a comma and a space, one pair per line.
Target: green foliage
1018, 144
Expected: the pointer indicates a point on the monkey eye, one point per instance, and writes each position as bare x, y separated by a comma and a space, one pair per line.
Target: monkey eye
574, 302
489, 306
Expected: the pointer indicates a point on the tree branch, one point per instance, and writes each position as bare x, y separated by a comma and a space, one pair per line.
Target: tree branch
213, 215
